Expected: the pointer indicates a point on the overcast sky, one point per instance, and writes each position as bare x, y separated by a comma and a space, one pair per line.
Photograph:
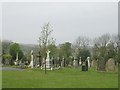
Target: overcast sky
22, 22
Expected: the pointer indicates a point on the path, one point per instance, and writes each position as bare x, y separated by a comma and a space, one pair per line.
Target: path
11, 69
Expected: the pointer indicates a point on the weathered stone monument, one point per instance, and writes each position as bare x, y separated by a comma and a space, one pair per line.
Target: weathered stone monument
80, 62
75, 63
83, 66
59, 61
94, 63
101, 64
16, 61
88, 59
39, 56
63, 62
43, 63
48, 61
86, 65
110, 65
32, 61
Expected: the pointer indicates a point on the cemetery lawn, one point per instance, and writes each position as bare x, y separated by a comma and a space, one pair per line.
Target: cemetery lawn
63, 78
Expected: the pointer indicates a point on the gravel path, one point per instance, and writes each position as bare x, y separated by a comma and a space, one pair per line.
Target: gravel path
11, 69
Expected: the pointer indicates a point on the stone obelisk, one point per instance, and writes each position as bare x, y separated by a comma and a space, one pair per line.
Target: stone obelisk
48, 64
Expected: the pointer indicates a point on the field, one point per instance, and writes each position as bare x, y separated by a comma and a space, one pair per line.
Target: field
63, 78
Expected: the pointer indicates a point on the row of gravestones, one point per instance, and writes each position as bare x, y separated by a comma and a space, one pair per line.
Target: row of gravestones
101, 65
50, 63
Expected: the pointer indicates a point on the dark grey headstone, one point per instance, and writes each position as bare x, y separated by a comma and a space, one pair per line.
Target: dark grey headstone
101, 65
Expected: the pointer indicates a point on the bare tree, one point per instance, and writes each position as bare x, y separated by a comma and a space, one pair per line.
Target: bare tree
103, 40
81, 42
104, 48
45, 38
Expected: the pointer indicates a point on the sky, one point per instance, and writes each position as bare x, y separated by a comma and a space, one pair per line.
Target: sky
22, 21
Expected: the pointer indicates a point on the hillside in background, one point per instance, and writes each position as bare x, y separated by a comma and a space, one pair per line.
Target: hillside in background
26, 48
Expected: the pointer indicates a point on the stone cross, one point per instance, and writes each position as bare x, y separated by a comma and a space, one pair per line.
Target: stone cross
48, 62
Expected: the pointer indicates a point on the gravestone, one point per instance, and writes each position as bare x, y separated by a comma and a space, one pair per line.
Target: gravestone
46, 64
101, 64
75, 63
83, 66
43, 63
59, 61
36, 63
16, 61
110, 65
94, 63
88, 59
86, 65
63, 62
52, 61
48, 61
80, 62
22, 65
39, 56
32, 62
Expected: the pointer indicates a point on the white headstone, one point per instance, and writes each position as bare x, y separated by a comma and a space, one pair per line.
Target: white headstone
88, 59
63, 62
48, 64
80, 62
31, 63
17, 56
16, 61
75, 64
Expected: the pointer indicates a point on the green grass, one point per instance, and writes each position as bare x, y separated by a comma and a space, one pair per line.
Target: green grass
63, 78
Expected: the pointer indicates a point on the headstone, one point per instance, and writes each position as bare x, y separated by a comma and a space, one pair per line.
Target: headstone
16, 61
86, 65
32, 62
59, 61
80, 62
63, 62
22, 65
75, 63
83, 66
39, 56
55, 62
48, 64
110, 65
36, 63
52, 61
101, 64
43, 63
88, 59
94, 63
